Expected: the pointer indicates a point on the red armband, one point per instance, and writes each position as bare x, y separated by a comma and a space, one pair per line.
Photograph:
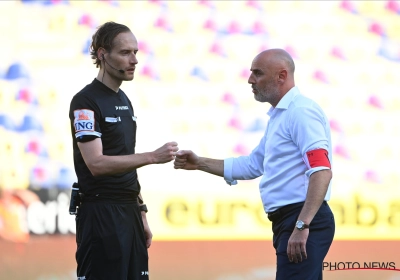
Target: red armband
317, 158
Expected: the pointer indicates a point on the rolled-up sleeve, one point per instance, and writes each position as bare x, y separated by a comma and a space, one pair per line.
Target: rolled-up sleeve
309, 172
309, 132
228, 163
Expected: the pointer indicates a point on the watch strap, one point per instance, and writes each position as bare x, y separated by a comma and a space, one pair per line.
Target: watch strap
303, 225
143, 208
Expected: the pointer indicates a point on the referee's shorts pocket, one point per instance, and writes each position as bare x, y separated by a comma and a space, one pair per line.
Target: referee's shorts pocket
107, 248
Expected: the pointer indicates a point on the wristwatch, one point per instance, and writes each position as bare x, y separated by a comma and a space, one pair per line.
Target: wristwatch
143, 207
300, 225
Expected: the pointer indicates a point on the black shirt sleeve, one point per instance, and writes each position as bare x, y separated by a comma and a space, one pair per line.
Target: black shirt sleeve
85, 119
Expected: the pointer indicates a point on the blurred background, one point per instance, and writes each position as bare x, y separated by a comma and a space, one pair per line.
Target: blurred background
191, 86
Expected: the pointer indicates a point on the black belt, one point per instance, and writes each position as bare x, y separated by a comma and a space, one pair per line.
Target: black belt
278, 214
127, 197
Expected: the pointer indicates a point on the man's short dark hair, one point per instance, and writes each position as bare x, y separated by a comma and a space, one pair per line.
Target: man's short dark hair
104, 37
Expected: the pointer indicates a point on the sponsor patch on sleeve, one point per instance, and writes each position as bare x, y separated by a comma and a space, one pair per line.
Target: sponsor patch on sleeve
317, 158
84, 120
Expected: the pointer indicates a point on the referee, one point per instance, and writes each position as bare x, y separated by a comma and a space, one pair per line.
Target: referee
294, 159
112, 233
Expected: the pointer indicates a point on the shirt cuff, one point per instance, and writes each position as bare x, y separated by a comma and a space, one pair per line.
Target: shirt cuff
228, 164
315, 169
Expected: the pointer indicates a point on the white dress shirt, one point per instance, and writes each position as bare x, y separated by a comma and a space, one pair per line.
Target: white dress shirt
296, 125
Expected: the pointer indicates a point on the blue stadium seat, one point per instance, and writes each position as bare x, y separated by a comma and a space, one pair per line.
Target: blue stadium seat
30, 123
16, 71
7, 122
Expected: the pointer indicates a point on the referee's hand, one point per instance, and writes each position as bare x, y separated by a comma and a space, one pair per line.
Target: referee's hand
165, 153
147, 232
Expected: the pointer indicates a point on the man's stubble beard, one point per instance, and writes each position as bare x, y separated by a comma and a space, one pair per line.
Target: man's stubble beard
268, 94
119, 76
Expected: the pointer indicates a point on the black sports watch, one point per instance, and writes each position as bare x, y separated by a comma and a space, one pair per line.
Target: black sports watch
300, 225
143, 207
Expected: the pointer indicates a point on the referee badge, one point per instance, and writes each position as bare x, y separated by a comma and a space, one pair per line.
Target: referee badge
84, 120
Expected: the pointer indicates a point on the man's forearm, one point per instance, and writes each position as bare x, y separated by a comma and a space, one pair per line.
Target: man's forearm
212, 166
109, 165
317, 188
100, 165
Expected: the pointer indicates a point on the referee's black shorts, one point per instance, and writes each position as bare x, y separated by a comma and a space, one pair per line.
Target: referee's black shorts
110, 241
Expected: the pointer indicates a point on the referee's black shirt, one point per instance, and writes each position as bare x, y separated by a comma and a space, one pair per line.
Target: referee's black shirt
98, 111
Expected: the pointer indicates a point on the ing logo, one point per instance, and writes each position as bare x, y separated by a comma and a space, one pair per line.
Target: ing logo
84, 120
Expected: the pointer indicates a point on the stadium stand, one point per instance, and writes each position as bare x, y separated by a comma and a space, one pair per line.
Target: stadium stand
193, 61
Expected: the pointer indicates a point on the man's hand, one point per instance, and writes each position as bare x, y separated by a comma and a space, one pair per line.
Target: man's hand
186, 159
296, 249
147, 231
165, 153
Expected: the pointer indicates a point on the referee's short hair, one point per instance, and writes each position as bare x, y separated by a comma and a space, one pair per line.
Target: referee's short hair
104, 37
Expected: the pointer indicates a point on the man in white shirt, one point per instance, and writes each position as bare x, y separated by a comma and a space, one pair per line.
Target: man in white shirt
294, 159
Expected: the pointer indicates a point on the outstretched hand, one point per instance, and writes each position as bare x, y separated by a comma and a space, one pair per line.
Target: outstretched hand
186, 159
165, 153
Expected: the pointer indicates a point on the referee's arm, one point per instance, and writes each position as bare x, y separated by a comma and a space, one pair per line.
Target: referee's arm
146, 227
99, 164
